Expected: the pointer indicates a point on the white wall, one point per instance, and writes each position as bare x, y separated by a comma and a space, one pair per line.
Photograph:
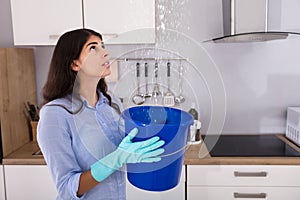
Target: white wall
260, 79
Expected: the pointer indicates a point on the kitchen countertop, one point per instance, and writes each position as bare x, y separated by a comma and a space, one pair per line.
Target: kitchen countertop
24, 156
195, 155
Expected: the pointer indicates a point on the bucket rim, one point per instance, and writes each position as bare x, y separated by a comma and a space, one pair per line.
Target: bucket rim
187, 122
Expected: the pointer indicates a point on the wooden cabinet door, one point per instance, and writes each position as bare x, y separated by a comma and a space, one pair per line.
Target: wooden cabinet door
121, 22
17, 77
37, 22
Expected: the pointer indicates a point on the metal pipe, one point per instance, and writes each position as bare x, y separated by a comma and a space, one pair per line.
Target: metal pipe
146, 59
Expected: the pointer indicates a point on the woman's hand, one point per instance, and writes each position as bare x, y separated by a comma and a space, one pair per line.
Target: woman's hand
144, 151
128, 152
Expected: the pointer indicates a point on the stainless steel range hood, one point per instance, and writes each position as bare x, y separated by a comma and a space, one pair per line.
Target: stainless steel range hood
248, 21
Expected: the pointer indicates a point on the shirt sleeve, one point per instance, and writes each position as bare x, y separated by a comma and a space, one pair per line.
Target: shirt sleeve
55, 141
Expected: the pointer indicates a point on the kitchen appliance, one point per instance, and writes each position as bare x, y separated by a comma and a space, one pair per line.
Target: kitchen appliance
293, 124
250, 21
249, 146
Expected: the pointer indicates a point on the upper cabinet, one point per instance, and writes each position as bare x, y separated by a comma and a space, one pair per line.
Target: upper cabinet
121, 22
38, 22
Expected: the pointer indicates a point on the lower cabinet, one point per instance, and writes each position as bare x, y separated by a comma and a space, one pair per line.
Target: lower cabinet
178, 192
228, 193
28, 182
2, 190
34, 182
231, 182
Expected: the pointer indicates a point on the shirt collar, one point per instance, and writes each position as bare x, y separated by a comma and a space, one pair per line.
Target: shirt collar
101, 100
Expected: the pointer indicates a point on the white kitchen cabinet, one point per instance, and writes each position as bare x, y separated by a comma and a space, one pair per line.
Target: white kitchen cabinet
178, 192
235, 193
29, 182
216, 182
2, 190
121, 22
38, 22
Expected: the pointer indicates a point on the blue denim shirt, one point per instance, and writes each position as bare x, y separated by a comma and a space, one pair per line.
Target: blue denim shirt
71, 143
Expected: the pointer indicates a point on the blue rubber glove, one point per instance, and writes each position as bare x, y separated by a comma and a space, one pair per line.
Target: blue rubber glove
128, 152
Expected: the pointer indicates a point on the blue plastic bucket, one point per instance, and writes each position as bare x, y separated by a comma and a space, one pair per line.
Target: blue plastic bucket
172, 126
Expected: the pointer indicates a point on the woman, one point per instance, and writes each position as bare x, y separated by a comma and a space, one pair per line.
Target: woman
78, 129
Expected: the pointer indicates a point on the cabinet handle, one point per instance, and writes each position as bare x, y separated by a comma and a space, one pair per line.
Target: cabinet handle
113, 35
250, 195
250, 174
54, 37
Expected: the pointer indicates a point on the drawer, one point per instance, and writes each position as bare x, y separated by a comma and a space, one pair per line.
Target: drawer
240, 193
243, 175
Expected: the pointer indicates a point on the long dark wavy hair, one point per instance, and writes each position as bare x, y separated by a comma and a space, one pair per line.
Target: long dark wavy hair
61, 77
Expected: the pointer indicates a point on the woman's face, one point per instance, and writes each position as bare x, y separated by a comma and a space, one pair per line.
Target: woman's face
93, 61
